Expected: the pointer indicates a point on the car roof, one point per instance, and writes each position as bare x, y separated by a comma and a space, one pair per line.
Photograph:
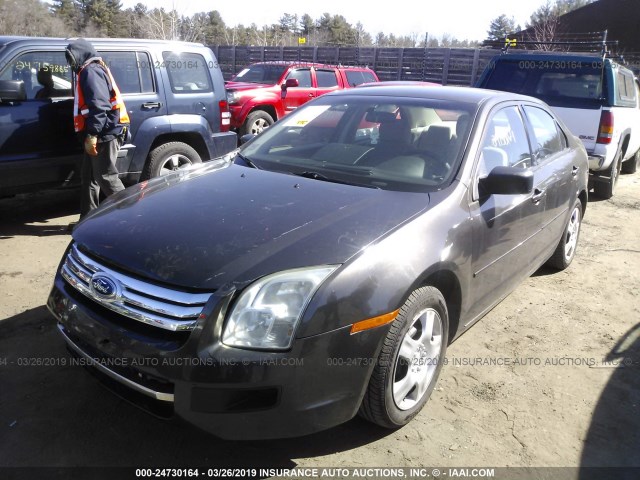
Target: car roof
6, 40
470, 95
391, 83
288, 63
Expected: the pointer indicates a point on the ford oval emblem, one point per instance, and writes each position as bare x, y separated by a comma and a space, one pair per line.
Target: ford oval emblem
104, 286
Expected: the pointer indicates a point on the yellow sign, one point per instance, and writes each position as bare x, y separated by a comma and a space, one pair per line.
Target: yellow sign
302, 40
510, 42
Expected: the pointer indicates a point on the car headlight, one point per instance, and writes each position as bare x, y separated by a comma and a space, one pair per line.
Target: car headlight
232, 97
268, 311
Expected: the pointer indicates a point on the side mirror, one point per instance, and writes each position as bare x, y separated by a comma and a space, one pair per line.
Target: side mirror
12, 91
507, 181
289, 83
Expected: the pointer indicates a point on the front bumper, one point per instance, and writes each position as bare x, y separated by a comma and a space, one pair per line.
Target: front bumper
232, 393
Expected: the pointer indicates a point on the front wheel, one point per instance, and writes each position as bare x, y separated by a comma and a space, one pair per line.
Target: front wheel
566, 249
410, 360
256, 122
168, 158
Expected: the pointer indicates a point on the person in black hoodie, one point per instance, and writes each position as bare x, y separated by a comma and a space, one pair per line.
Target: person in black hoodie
100, 120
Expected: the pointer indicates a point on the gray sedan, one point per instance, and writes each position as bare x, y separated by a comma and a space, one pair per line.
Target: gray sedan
323, 272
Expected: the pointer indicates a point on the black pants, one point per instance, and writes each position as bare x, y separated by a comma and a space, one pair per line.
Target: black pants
99, 172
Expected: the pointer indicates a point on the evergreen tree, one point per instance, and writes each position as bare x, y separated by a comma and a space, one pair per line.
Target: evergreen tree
501, 27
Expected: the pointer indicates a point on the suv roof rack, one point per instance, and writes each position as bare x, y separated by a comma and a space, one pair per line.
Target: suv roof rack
584, 43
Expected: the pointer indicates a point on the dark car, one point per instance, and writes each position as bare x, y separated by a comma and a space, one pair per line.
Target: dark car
328, 267
174, 93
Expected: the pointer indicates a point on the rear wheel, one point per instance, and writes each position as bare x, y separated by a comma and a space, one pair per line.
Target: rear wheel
256, 122
566, 249
410, 361
604, 188
168, 158
631, 165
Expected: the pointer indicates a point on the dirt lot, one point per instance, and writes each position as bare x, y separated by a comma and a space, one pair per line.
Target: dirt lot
546, 379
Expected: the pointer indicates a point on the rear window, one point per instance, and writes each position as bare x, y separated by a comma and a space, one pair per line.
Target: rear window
556, 82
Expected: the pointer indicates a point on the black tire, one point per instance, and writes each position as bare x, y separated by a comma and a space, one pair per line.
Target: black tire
391, 408
566, 249
169, 157
605, 189
256, 122
631, 165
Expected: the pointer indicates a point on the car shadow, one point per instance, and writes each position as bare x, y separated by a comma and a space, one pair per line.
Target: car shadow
65, 415
613, 438
31, 214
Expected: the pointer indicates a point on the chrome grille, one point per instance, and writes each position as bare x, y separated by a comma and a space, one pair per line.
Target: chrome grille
151, 304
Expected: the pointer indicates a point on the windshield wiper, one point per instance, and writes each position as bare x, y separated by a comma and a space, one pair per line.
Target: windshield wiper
249, 162
324, 178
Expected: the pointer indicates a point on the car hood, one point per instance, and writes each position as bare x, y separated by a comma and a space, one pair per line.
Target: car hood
235, 224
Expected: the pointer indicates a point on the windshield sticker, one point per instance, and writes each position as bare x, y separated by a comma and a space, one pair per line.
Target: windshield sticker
305, 116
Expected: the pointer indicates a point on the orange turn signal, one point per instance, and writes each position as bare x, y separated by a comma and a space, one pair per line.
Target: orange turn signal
374, 322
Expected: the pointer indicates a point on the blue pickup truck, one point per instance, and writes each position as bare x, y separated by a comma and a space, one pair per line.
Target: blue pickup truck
174, 93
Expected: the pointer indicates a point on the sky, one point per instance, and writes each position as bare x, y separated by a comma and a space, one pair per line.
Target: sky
462, 19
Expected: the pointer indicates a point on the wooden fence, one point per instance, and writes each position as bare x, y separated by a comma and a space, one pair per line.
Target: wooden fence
448, 66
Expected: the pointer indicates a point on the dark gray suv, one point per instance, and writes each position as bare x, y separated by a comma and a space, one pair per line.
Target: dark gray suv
174, 93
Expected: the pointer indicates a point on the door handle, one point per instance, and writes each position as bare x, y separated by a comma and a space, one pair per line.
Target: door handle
151, 105
538, 195
574, 171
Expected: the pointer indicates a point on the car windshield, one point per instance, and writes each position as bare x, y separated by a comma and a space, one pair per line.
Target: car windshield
555, 81
260, 73
393, 143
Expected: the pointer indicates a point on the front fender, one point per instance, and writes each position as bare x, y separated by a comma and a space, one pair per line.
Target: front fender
379, 279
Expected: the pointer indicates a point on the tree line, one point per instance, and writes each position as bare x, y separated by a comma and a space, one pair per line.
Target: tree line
107, 18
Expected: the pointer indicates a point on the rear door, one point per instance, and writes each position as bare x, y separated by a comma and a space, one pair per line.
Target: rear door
138, 79
135, 75
557, 169
326, 80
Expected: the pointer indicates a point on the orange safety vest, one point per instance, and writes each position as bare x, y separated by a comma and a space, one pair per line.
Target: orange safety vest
80, 109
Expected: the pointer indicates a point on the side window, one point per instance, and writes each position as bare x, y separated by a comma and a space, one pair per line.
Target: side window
326, 78
504, 143
130, 70
356, 78
42, 74
188, 72
303, 76
626, 92
631, 90
547, 138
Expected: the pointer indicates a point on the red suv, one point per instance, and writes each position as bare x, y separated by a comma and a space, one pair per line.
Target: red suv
264, 92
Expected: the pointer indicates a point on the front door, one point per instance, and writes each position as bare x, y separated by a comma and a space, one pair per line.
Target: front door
505, 227
305, 91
